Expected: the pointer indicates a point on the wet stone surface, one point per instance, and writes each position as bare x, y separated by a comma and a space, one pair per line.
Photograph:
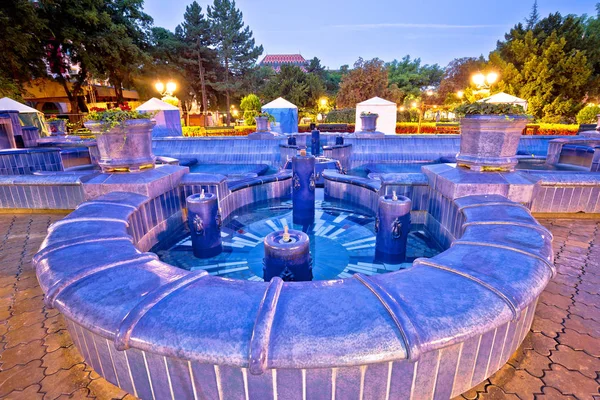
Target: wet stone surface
559, 359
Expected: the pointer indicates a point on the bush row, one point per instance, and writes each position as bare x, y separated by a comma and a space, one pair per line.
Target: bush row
402, 128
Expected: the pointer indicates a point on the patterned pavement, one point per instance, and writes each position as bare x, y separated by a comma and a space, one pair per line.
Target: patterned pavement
560, 358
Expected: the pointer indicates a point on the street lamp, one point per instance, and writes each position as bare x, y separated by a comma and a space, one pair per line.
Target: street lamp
323, 101
460, 94
483, 82
167, 90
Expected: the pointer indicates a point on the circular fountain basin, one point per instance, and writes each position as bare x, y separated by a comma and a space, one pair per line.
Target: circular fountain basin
433, 330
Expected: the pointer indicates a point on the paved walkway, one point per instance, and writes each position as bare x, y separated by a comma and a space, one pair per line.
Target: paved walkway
560, 358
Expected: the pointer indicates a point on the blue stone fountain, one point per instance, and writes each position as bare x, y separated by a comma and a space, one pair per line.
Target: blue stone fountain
303, 188
287, 255
204, 221
392, 227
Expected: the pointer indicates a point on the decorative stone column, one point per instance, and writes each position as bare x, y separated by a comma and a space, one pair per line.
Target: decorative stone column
315, 140
204, 221
303, 188
392, 227
287, 255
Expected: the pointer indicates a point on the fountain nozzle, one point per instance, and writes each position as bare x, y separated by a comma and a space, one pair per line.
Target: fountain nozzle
202, 194
394, 196
286, 234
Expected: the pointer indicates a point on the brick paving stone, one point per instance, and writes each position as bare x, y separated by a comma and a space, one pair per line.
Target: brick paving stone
546, 326
540, 343
65, 382
570, 382
26, 319
24, 334
56, 340
550, 312
21, 376
578, 341
530, 361
576, 361
29, 393
550, 393
587, 298
585, 311
61, 358
517, 381
587, 326
556, 300
21, 354
495, 393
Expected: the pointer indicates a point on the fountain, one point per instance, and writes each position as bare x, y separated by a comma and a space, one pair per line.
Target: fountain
392, 228
303, 188
204, 222
287, 255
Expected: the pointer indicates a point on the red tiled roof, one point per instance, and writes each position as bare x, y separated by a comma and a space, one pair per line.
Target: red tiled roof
283, 59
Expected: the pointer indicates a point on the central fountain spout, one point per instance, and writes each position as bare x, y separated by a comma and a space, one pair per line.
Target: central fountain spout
287, 255
392, 227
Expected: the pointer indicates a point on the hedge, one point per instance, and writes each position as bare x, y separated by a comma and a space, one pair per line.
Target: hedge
402, 128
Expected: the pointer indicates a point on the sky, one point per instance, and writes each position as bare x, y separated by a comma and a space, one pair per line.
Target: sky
338, 32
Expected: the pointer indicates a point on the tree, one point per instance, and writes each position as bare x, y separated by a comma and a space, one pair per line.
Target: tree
235, 46
533, 18
457, 76
411, 77
366, 80
120, 44
195, 33
301, 88
21, 30
251, 106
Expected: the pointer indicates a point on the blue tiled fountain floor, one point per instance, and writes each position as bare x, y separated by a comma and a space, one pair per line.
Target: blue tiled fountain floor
342, 243
231, 169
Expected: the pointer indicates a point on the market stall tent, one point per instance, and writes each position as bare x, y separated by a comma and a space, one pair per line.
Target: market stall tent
168, 118
285, 113
386, 110
505, 98
27, 115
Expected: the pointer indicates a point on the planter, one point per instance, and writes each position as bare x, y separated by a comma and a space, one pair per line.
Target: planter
126, 148
490, 142
369, 122
57, 128
262, 124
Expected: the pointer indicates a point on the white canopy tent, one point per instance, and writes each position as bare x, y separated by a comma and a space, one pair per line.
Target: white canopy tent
168, 118
285, 113
386, 110
505, 98
27, 115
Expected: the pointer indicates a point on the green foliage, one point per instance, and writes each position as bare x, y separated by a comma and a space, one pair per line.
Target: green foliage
588, 115
410, 77
251, 106
345, 116
236, 48
484, 108
293, 84
116, 117
368, 114
368, 79
264, 114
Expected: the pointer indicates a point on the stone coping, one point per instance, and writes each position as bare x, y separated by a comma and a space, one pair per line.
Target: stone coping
259, 180
367, 183
91, 271
29, 150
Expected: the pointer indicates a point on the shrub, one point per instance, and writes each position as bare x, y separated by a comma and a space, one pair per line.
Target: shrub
200, 131
484, 108
342, 116
251, 106
588, 115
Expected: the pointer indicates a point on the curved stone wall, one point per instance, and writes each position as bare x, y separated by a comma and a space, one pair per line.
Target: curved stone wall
430, 331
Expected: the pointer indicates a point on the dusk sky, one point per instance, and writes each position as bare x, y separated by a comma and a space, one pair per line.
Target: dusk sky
340, 31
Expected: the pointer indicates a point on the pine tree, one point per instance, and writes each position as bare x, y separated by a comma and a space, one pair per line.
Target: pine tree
235, 45
195, 33
534, 16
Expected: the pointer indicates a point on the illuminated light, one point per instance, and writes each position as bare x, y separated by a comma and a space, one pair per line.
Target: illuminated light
323, 101
319, 117
235, 113
429, 93
401, 108
171, 86
460, 94
160, 87
414, 105
491, 77
478, 79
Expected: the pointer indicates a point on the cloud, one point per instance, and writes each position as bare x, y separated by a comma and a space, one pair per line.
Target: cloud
412, 25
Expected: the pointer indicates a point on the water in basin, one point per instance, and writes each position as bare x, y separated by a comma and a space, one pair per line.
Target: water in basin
342, 242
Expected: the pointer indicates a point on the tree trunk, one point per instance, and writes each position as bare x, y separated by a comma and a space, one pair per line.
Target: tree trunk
117, 84
202, 83
71, 96
227, 90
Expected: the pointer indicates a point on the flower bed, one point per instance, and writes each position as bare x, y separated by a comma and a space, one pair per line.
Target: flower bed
200, 131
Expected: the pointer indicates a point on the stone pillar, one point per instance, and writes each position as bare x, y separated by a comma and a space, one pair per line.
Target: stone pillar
204, 221
287, 255
303, 188
392, 227
30, 135
315, 140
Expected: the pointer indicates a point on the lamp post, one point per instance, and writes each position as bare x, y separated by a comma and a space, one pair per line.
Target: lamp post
484, 82
165, 90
